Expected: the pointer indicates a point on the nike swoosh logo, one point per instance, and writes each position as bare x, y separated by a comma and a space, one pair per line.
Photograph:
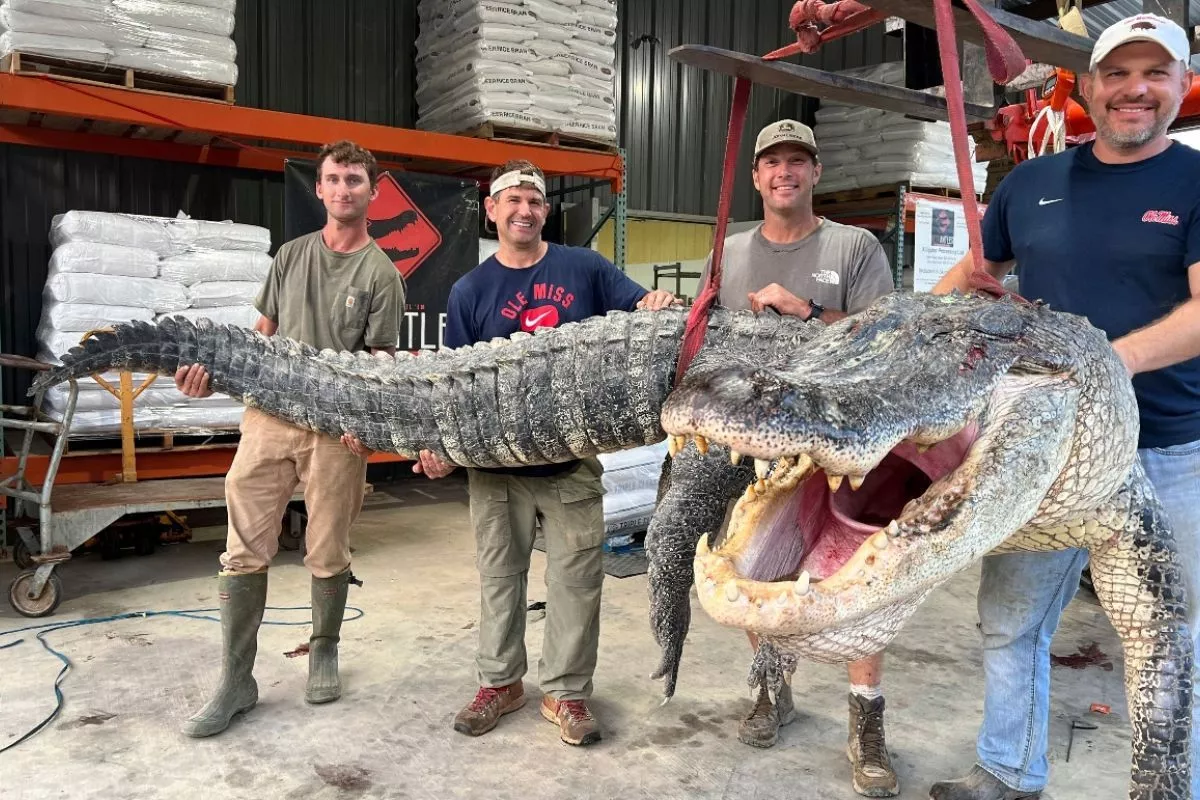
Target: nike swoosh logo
1045, 202
530, 321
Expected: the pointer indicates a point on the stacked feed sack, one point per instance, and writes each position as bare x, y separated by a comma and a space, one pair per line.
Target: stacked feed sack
191, 39
108, 268
534, 65
630, 492
863, 147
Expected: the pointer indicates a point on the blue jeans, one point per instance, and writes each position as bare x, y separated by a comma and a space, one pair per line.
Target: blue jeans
1022, 597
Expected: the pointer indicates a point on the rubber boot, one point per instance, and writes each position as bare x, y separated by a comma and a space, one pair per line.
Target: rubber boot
328, 608
243, 598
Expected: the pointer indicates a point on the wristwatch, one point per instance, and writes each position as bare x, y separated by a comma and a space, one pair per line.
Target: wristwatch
816, 309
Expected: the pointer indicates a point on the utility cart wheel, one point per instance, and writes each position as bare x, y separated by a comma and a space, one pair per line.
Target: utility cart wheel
18, 595
21, 555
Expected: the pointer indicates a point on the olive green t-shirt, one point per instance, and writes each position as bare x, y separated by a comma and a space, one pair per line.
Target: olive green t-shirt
339, 301
839, 266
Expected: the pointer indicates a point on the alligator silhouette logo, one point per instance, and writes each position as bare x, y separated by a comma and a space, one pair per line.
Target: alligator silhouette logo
400, 228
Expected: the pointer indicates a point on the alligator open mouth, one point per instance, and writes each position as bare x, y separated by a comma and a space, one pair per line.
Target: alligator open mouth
800, 525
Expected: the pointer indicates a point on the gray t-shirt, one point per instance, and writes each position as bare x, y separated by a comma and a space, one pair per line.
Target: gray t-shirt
839, 266
327, 299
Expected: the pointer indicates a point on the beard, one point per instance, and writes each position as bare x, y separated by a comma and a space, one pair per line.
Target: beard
1133, 139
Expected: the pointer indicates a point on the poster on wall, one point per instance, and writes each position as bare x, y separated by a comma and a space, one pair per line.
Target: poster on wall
427, 224
940, 234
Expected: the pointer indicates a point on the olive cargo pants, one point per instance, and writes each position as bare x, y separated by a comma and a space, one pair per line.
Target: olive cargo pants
505, 510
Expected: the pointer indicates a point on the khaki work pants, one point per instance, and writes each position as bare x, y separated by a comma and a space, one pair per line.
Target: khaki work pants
272, 458
504, 510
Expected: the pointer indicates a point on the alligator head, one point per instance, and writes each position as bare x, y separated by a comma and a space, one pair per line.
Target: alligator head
894, 450
902, 444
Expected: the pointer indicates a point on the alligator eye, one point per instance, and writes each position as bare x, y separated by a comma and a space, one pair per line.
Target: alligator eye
998, 321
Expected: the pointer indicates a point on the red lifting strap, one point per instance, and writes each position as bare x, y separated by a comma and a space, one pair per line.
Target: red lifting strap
697, 322
1005, 62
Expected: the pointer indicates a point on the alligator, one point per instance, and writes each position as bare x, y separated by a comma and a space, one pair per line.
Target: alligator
886, 448
905, 442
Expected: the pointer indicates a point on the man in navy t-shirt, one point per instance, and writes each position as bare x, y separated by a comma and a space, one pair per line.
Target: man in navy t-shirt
1111, 231
531, 284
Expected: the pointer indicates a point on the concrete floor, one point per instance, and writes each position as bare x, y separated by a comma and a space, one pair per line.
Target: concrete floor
407, 668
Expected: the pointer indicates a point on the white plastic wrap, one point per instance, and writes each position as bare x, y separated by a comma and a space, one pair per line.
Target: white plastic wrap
198, 234
241, 316
543, 45
215, 265
863, 147
183, 39
104, 259
100, 399
192, 418
56, 46
630, 482
217, 294
189, 16
146, 233
81, 317
114, 290
194, 67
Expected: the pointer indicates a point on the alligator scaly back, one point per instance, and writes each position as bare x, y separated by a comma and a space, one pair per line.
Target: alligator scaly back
557, 395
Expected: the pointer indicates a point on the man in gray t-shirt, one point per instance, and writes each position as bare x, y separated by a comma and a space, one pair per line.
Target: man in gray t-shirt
810, 267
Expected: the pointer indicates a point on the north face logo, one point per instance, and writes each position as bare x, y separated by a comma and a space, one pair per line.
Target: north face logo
1164, 217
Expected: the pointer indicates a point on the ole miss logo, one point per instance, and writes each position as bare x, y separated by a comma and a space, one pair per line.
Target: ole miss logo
1164, 217
400, 228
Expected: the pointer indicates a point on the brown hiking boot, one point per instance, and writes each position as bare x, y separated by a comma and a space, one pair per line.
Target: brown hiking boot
979, 785
873, 773
761, 727
490, 704
575, 722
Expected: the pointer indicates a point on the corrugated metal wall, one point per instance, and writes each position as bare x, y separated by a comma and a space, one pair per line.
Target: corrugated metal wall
353, 59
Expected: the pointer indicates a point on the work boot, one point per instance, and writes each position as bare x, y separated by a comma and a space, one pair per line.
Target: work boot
490, 704
979, 785
873, 773
761, 728
575, 722
328, 608
243, 598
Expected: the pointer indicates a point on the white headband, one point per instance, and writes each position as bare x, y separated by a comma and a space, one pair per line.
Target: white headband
515, 178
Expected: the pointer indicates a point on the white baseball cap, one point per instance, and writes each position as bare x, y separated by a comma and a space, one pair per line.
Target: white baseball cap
1142, 28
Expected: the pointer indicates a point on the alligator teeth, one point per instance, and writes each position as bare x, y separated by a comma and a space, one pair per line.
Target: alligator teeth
761, 486
880, 541
802, 583
804, 464
702, 445
923, 448
675, 444
762, 468
856, 481
735, 457
835, 482
893, 528
731, 592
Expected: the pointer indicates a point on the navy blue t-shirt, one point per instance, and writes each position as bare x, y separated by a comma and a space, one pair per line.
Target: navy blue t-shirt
1113, 243
569, 284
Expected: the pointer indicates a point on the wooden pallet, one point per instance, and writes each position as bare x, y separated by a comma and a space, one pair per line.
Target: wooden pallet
98, 74
153, 440
490, 130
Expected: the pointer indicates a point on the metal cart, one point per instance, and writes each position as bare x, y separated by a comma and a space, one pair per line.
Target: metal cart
52, 521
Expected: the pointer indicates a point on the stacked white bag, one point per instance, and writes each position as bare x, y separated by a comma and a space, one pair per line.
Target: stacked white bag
863, 147
191, 39
108, 268
539, 65
630, 483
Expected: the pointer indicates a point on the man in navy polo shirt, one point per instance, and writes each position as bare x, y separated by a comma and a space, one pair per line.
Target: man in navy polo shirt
531, 284
1109, 230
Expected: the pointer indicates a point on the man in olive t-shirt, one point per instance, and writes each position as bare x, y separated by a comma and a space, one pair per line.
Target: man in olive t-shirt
331, 289
806, 266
